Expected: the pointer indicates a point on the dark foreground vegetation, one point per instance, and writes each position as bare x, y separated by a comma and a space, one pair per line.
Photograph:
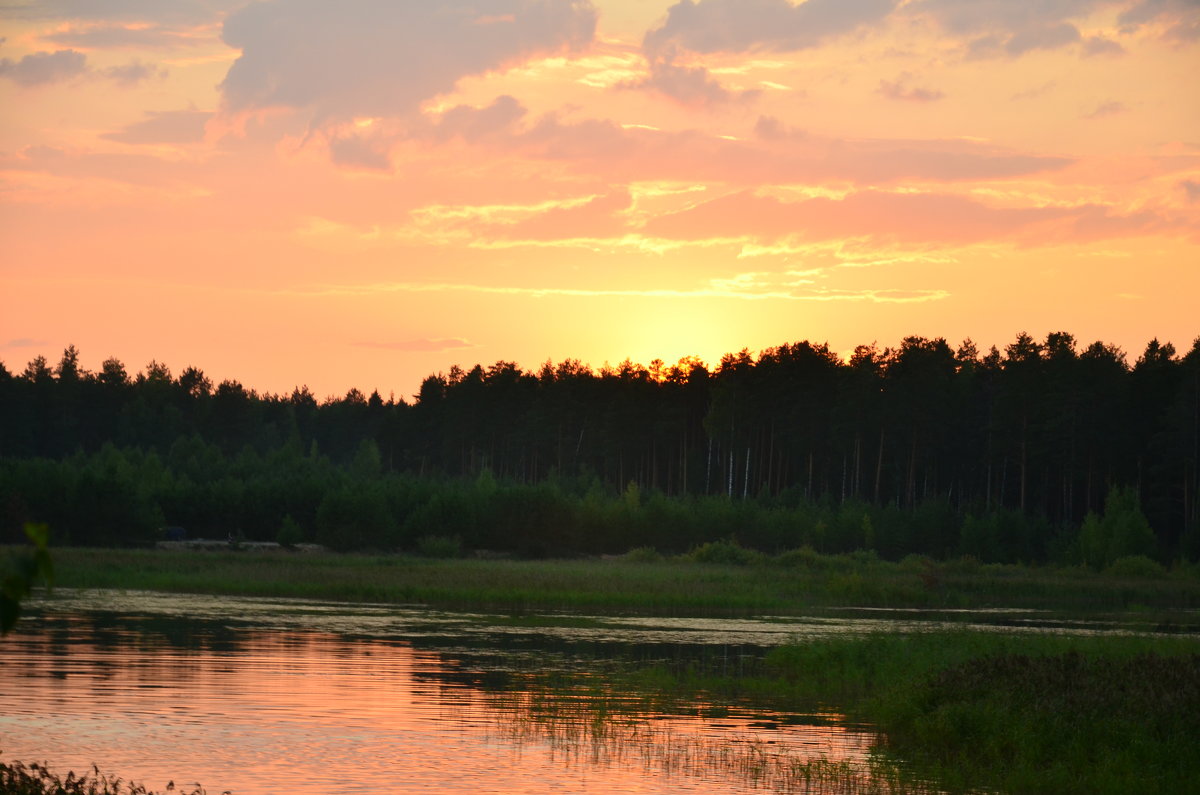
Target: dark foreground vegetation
18, 778
1046, 451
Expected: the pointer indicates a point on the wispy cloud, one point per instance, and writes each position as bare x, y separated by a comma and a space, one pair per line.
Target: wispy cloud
1098, 46
734, 288
64, 66
164, 127
897, 89
123, 36
1106, 109
434, 345
45, 68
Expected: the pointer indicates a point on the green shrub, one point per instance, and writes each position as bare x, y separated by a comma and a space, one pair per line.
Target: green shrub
728, 552
289, 534
440, 547
642, 555
804, 556
1135, 566
913, 562
967, 564
1122, 532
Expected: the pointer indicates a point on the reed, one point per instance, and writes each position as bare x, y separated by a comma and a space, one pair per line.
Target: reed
598, 732
18, 778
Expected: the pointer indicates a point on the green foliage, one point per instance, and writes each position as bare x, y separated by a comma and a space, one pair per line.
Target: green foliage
1135, 566
354, 517
1123, 531
643, 555
440, 547
992, 712
1065, 722
25, 569
1003, 536
915, 449
729, 552
802, 557
367, 461
290, 534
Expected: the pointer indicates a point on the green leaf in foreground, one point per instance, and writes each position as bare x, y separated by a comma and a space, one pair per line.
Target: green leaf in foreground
25, 569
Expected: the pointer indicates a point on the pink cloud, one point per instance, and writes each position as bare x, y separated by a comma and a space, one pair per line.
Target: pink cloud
906, 218
596, 218
898, 89
376, 58
44, 68
164, 127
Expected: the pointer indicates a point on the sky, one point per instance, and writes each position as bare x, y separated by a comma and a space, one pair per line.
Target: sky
362, 193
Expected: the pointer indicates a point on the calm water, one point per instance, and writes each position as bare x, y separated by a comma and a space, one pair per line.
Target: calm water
287, 696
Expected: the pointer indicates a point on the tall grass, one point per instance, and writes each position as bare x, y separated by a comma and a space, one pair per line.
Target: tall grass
18, 778
576, 731
1027, 713
790, 583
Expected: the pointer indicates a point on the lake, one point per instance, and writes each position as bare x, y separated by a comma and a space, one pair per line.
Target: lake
291, 696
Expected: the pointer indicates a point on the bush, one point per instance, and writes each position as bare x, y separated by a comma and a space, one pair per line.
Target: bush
289, 534
966, 564
1122, 532
728, 552
804, 556
642, 555
1135, 566
440, 547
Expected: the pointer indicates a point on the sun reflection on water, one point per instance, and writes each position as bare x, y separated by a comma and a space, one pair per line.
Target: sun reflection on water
212, 698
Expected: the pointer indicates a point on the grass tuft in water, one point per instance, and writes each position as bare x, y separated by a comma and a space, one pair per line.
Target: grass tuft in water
604, 733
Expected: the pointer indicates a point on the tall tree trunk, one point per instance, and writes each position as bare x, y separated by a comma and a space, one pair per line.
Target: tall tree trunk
1024, 457
843, 477
879, 467
808, 489
729, 491
746, 477
708, 468
856, 484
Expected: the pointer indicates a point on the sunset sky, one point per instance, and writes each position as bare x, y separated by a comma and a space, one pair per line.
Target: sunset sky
361, 193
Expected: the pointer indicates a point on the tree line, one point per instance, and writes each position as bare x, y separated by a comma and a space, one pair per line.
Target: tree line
924, 447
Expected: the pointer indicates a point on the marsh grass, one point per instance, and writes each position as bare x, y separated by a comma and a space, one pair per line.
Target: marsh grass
791, 583
1060, 723
604, 733
1027, 713
963, 711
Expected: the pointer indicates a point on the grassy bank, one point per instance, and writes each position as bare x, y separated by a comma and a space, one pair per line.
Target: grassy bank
972, 711
790, 583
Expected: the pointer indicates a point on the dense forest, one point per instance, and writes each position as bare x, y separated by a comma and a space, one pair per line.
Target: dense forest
1047, 450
